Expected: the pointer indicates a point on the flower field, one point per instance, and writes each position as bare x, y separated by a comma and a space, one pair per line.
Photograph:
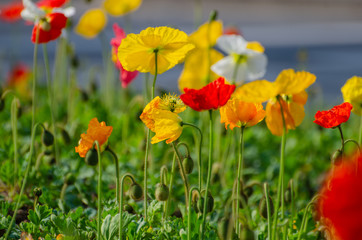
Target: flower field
229, 155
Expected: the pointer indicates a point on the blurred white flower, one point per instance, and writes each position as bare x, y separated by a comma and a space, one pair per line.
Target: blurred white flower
246, 61
33, 12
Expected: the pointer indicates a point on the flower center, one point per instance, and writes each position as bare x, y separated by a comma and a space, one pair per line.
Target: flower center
239, 58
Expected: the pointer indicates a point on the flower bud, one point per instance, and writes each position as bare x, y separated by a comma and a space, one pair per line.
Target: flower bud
210, 203
48, 138
161, 192
128, 208
37, 192
336, 157
188, 164
91, 158
69, 179
65, 136
195, 197
263, 210
136, 192
213, 15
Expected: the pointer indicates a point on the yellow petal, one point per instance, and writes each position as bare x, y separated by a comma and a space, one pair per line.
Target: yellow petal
257, 91
297, 112
300, 98
352, 93
91, 23
256, 46
290, 82
121, 7
207, 34
167, 126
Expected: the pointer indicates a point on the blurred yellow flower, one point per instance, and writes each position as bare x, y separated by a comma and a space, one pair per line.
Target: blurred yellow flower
237, 113
137, 51
197, 66
121, 7
91, 23
160, 116
352, 93
289, 88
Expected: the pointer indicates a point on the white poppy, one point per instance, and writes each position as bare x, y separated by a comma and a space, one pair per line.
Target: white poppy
242, 63
33, 13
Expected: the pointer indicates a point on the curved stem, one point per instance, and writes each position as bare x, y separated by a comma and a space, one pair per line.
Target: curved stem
163, 174
130, 176
183, 174
99, 191
200, 145
24, 180
171, 183
189, 211
62, 192
280, 193
50, 100
302, 226
208, 175
353, 141
268, 207
116, 162
239, 174
35, 66
185, 145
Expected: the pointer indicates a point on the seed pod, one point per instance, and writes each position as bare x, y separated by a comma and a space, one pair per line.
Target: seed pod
45, 25
48, 138
188, 164
69, 179
65, 136
337, 157
161, 192
37, 192
91, 158
263, 210
128, 208
210, 203
136, 192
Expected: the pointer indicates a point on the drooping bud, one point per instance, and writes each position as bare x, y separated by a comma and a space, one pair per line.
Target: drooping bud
195, 197
188, 164
128, 208
337, 157
263, 210
161, 192
213, 15
65, 136
136, 192
37, 192
91, 158
48, 138
69, 179
210, 203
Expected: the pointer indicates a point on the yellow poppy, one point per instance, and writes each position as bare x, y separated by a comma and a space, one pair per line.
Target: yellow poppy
160, 116
96, 132
352, 93
91, 23
137, 51
197, 65
289, 88
237, 113
121, 7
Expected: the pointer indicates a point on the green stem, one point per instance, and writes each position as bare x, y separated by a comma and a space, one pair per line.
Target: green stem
182, 171
208, 175
292, 198
99, 191
268, 207
50, 100
239, 175
200, 145
116, 162
360, 131
189, 211
14, 121
236, 68
280, 193
35, 201
353, 141
185, 145
171, 183
35, 66
342, 139
303, 225
62, 193
127, 175
24, 180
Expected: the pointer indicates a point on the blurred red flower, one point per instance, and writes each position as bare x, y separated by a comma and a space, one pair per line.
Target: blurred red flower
212, 96
11, 12
125, 76
50, 28
339, 207
19, 73
51, 3
334, 117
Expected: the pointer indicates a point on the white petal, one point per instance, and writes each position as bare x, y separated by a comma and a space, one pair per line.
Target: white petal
232, 44
68, 11
33, 8
256, 66
28, 16
225, 67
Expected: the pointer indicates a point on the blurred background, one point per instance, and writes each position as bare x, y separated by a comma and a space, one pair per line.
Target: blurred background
321, 36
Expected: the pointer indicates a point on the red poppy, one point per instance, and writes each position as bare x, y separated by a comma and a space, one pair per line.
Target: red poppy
339, 206
212, 96
334, 117
11, 12
19, 73
232, 30
51, 3
50, 27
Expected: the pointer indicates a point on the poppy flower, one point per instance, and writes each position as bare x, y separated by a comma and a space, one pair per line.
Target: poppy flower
91, 23
125, 76
246, 61
96, 132
236, 113
121, 7
212, 96
339, 207
137, 51
333, 117
51, 3
288, 89
50, 27
11, 12
19, 73
196, 73
352, 93
160, 116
